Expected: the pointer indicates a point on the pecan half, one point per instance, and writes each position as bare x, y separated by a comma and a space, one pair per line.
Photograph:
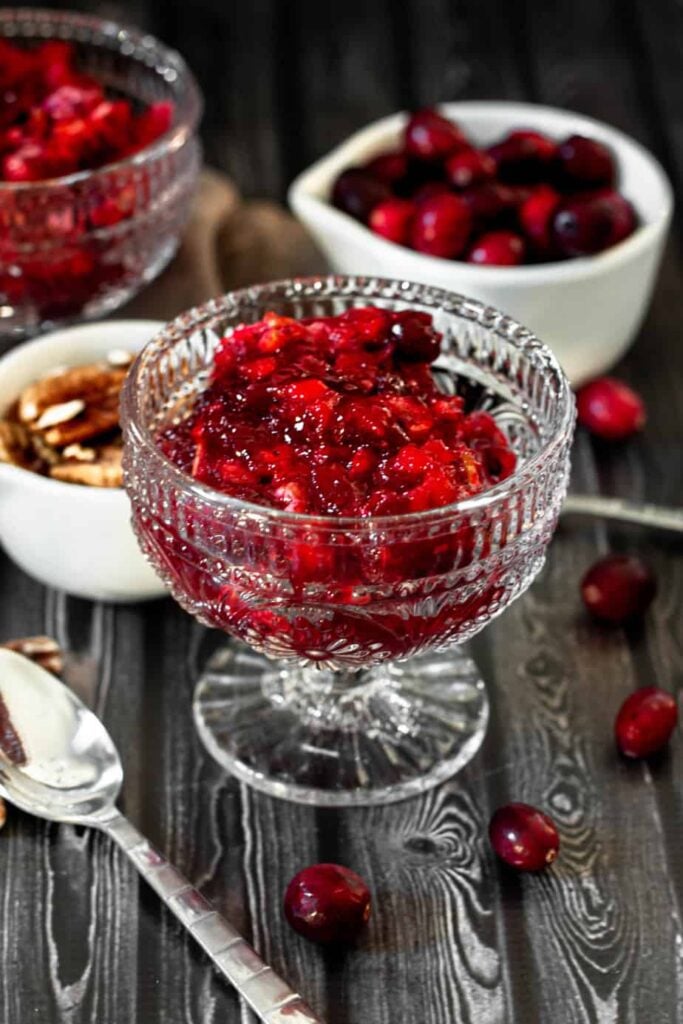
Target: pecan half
45, 651
15, 444
66, 424
104, 470
100, 416
55, 415
84, 382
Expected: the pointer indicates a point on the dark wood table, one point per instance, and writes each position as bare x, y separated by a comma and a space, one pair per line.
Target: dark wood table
598, 937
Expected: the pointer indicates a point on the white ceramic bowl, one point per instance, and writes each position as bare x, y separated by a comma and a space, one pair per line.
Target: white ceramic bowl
77, 539
588, 310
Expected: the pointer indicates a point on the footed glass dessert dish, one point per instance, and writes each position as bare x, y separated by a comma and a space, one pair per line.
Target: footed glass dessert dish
343, 681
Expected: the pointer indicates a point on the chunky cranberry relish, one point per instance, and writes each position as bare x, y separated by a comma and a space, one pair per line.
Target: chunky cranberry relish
337, 415
55, 120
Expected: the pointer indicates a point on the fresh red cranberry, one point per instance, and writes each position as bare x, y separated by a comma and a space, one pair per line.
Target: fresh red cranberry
442, 226
430, 136
618, 588
645, 722
584, 163
524, 837
393, 219
388, 167
429, 189
490, 203
523, 156
357, 193
622, 215
581, 227
415, 337
497, 249
327, 903
610, 409
470, 167
536, 215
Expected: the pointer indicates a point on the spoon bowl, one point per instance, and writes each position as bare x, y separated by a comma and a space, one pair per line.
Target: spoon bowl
57, 761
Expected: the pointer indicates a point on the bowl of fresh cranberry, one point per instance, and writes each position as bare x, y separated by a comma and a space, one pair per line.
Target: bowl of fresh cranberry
98, 163
350, 476
555, 218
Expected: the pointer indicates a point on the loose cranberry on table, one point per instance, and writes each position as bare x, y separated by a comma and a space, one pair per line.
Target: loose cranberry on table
610, 409
497, 249
524, 837
327, 903
618, 588
645, 722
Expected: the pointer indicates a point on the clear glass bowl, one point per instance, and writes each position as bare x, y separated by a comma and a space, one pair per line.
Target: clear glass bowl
78, 246
356, 694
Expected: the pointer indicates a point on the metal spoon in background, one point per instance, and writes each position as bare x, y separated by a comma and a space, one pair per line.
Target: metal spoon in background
57, 761
656, 516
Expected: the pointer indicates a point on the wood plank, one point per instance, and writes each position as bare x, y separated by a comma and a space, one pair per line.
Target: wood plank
559, 681
453, 937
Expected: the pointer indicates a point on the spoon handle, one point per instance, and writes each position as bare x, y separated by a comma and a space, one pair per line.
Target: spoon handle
268, 995
656, 516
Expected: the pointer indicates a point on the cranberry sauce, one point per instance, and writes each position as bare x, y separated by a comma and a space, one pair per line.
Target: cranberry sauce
335, 416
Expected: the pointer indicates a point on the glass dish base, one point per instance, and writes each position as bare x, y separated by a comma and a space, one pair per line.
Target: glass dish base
341, 738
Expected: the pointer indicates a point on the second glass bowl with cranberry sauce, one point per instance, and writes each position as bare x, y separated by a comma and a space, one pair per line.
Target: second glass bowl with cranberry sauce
99, 159
344, 685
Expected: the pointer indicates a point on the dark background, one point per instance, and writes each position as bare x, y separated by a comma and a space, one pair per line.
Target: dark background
285, 80
454, 939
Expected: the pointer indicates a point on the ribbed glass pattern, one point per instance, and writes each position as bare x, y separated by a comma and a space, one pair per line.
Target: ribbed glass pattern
78, 246
341, 592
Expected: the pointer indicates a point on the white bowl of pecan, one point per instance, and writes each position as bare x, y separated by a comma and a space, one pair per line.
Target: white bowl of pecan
64, 517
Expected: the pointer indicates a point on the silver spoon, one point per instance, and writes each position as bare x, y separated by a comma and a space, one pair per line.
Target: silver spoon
657, 516
57, 761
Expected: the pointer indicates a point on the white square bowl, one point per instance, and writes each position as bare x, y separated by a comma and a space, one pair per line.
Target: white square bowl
588, 310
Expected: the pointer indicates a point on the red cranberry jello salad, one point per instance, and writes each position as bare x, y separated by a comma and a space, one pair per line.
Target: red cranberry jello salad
306, 485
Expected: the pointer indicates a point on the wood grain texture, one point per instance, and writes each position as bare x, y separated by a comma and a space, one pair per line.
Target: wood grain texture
454, 937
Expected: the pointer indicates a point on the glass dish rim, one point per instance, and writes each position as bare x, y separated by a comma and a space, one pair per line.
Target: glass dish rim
140, 437
173, 139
